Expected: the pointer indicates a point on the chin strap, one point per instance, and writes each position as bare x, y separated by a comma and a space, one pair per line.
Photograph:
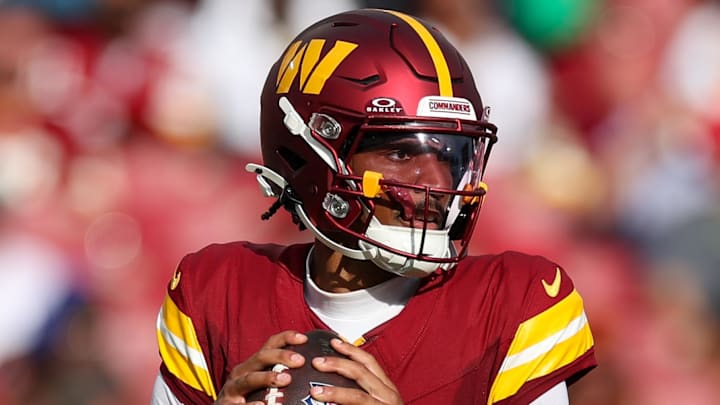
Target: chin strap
367, 254
436, 244
386, 260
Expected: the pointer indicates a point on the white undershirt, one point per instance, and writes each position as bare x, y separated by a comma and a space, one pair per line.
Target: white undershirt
353, 313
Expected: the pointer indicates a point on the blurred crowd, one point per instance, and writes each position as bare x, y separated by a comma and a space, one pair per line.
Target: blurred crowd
125, 126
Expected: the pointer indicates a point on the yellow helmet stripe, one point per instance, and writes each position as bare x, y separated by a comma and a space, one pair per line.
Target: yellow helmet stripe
327, 65
441, 66
290, 54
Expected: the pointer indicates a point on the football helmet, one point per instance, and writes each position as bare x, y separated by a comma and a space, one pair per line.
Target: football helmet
376, 81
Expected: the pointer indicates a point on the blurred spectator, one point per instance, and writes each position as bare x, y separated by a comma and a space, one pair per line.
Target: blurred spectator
66, 367
551, 25
509, 74
36, 278
692, 249
691, 68
233, 45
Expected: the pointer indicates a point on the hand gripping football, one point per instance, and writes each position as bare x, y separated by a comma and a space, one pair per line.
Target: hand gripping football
305, 377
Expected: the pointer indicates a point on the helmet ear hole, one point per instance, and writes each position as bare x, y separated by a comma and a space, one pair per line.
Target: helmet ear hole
293, 160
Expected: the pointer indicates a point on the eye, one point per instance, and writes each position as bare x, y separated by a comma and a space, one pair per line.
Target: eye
403, 151
398, 155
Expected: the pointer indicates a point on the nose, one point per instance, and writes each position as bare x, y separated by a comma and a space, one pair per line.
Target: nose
432, 172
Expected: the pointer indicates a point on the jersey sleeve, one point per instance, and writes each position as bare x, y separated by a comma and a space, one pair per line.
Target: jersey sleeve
161, 394
552, 341
184, 365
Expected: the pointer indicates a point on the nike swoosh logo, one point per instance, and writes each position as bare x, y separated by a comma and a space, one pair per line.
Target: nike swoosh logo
553, 288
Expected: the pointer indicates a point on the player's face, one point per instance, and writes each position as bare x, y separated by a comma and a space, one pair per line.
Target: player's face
430, 160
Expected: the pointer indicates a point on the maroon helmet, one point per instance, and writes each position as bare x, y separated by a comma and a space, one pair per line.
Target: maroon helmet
356, 81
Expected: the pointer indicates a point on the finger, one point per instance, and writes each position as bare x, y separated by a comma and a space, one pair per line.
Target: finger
361, 356
271, 353
267, 358
339, 395
367, 380
253, 374
288, 337
229, 401
236, 388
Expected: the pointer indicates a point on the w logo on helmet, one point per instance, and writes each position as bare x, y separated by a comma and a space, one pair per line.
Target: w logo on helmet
314, 70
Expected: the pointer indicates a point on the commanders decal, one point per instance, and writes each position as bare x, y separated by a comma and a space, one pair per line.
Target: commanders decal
448, 107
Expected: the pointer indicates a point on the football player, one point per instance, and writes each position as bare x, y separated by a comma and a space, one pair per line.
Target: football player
375, 139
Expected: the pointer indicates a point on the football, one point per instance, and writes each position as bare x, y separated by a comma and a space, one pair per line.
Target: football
305, 377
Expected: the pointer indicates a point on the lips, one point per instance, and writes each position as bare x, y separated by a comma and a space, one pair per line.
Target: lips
413, 214
417, 219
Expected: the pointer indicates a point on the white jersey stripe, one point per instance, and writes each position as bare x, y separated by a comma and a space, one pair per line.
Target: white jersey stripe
195, 356
533, 352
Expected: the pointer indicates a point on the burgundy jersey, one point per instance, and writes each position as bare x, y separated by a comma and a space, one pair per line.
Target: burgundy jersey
498, 329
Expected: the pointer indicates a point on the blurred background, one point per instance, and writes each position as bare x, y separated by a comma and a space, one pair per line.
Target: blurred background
125, 126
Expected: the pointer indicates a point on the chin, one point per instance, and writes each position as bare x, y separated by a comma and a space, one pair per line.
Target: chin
416, 224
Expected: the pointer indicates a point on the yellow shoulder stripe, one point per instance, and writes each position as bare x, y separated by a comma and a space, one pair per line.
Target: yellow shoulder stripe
547, 323
180, 349
439, 61
543, 344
